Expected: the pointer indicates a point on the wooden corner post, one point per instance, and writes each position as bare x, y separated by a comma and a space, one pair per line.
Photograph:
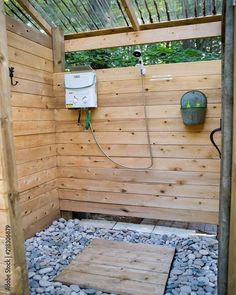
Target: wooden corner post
13, 270
59, 66
58, 49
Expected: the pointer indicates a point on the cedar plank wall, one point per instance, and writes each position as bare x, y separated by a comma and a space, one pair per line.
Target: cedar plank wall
183, 184
34, 127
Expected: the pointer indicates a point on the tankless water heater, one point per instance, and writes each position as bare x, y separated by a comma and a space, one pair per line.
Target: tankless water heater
80, 88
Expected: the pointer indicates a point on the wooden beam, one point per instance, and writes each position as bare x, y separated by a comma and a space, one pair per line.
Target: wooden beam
27, 32
175, 23
145, 37
58, 50
128, 7
12, 253
59, 66
101, 32
28, 7
183, 22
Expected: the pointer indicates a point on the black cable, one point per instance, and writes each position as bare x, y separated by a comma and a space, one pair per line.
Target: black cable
214, 7
67, 18
167, 10
23, 13
81, 17
68, 9
46, 12
79, 116
140, 12
185, 11
204, 7
149, 12
13, 12
157, 10
213, 141
85, 9
123, 14
196, 8
100, 3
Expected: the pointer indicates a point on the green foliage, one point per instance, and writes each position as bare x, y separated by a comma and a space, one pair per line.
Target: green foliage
161, 53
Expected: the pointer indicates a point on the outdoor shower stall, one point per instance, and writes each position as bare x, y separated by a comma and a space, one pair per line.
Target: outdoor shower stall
50, 165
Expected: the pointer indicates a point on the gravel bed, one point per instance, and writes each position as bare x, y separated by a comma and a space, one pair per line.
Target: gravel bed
194, 270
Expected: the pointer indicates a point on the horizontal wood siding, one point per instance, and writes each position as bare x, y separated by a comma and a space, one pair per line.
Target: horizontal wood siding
184, 181
33, 106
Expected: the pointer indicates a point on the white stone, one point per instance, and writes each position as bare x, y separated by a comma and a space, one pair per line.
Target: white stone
141, 228
97, 223
163, 230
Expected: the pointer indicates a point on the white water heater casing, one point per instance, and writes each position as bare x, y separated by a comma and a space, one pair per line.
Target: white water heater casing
80, 90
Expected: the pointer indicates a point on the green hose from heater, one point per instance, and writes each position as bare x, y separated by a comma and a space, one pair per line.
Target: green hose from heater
88, 120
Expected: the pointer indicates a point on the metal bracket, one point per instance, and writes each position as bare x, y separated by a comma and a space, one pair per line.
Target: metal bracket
11, 75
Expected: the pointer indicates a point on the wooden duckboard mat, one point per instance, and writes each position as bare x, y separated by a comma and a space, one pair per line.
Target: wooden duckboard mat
121, 268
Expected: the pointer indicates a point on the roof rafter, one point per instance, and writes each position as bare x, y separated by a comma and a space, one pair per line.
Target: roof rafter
28, 7
131, 14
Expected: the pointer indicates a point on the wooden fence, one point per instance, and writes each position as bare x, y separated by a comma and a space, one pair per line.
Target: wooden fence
182, 185
33, 103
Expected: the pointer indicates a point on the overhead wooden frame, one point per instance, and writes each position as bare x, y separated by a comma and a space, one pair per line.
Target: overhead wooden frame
28, 7
157, 25
131, 14
145, 37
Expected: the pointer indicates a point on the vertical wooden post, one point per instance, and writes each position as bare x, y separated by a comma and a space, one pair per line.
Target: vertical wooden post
59, 66
13, 270
58, 49
232, 238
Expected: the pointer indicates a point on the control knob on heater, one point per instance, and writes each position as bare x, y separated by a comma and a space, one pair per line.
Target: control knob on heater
85, 99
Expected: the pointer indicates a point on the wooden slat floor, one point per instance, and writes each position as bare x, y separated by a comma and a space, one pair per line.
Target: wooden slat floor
120, 268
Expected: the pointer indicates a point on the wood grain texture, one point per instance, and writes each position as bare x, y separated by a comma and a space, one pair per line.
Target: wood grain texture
34, 128
139, 151
12, 250
153, 201
164, 164
185, 175
98, 267
155, 25
184, 190
176, 69
152, 98
142, 212
29, 46
145, 37
58, 49
30, 59
27, 32
150, 176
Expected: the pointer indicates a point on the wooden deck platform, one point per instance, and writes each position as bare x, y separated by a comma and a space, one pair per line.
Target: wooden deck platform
121, 268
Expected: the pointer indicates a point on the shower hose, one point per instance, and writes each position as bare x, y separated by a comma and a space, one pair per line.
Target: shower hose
148, 138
